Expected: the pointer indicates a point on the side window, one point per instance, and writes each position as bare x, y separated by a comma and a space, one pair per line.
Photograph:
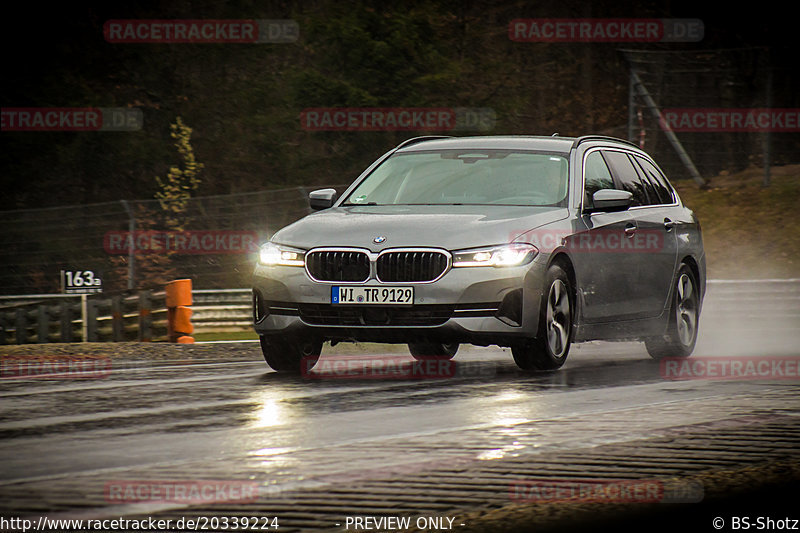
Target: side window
625, 176
650, 191
663, 190
596, 176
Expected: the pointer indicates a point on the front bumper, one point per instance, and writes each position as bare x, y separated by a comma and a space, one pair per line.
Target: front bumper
480, 305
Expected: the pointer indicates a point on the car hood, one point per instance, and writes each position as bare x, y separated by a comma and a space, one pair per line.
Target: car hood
451, 227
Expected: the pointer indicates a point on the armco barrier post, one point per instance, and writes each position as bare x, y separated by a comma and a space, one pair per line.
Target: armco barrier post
145, 319
65, 317
21, 324
117, 319
179, 312
43, 323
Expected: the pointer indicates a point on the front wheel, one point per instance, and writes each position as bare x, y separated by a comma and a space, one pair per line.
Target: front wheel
433, 350
290, 354
684, 316
550, 349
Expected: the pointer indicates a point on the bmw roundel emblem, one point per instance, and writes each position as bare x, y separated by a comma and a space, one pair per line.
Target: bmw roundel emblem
379, 239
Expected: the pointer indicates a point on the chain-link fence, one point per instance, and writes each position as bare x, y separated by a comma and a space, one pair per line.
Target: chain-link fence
702, 112
697, 112
136, 245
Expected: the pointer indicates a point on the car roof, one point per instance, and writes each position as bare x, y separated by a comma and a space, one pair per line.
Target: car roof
505, 142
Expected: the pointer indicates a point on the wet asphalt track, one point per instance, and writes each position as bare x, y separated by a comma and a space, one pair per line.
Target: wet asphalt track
334, 444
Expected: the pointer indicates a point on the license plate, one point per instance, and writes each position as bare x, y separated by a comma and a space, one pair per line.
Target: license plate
372, 295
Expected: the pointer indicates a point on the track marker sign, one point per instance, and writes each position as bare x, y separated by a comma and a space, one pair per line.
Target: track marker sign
81, 282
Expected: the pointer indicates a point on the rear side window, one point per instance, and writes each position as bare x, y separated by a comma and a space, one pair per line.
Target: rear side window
596, 176
650, 191
625, 176
662, 189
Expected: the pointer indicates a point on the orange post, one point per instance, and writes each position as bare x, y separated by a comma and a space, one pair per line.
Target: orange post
179, 314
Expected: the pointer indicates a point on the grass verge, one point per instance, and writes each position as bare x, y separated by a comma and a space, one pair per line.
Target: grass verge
748, 229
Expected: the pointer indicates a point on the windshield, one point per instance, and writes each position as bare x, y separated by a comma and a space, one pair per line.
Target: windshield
454, 177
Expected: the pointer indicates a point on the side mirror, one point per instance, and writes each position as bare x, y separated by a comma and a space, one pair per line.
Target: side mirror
322, 198
610, 200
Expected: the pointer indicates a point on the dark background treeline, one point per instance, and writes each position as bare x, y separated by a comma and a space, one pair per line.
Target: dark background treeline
243, 101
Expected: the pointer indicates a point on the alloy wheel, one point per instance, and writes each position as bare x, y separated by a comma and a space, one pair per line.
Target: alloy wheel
558, 318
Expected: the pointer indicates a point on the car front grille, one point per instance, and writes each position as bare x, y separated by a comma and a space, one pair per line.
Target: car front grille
411, 266
333, 315
393, 266
325, 265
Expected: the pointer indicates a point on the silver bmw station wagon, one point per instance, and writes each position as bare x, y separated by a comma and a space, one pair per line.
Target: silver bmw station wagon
531, 243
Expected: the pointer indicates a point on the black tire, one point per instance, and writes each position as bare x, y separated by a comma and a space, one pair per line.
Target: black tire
290, 354
684, 319
550, 349
433, 350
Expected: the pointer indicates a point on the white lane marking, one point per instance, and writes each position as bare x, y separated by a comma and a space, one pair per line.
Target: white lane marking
124, 384
121, 413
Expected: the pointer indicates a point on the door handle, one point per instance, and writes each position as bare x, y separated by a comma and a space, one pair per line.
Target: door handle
668, 224
630, 229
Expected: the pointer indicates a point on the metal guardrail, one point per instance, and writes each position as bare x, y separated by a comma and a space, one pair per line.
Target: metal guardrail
230, 310
42, 318
223, 310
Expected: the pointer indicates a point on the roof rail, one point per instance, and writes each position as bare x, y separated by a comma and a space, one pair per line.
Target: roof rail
415, 140
586, 138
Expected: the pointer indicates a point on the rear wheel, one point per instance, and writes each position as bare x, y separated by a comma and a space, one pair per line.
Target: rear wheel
290, 354
550, 349
684, 316
433, 350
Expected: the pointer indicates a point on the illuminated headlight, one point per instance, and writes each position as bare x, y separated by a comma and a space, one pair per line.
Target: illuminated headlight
514, 254
271, 254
